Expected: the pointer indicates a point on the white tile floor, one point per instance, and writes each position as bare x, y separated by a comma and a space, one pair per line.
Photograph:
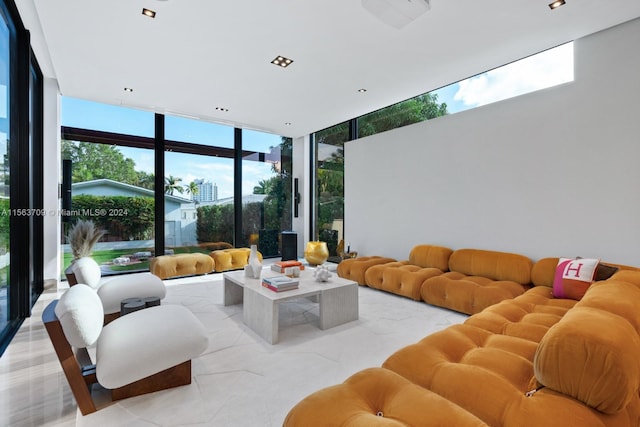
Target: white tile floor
239, 381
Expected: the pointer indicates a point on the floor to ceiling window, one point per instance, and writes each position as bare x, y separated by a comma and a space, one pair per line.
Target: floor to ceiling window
329, 184
21, 198
199, 185
266, 190
110, 152
113, 155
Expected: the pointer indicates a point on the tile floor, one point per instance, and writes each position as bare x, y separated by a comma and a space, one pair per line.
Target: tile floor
239, 381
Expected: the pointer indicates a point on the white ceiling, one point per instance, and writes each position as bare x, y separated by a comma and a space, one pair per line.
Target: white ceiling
197, 55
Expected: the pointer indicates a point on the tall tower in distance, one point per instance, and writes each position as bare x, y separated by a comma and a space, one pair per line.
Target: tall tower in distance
205, 191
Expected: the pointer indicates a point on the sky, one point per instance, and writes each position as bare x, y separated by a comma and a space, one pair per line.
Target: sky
548, 68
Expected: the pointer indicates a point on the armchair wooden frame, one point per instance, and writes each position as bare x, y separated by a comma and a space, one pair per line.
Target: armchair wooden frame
81, 373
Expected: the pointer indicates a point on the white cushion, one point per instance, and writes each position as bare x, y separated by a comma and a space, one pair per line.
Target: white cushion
146, 342
87, 271
81, 316
113, 290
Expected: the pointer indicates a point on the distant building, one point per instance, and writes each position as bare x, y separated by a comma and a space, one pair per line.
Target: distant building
207, 192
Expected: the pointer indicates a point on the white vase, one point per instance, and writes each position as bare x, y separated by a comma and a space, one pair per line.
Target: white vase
255, 265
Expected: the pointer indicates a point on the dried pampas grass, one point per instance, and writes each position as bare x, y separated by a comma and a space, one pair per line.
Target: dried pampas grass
82, 236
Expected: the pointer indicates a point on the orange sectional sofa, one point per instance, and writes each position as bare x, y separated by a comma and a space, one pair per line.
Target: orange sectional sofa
465, 280
533, 360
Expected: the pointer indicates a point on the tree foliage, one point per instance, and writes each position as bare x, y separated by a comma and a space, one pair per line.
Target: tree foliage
4, 225
97, 161
192, 189
145, 180
277, 205
414, 110
172, 184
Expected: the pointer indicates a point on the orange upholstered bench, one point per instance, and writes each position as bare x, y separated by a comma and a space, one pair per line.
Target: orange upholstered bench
231, 259
167, 266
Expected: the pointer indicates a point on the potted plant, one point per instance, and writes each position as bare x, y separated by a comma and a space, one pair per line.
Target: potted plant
82, 237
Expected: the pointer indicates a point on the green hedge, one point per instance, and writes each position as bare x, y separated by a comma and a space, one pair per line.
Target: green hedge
215, 223
122, 216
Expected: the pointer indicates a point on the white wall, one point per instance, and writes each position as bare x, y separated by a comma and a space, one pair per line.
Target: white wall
552, 173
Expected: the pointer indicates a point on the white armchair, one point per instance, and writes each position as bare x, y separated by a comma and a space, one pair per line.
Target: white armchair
112, 290
143, 352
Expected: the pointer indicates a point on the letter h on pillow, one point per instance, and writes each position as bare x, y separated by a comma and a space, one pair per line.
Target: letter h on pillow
573, 277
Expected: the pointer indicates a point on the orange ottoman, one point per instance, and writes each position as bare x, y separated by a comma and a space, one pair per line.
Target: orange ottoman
231, 259
167, 266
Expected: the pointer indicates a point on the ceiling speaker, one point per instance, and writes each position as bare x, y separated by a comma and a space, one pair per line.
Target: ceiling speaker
396, 13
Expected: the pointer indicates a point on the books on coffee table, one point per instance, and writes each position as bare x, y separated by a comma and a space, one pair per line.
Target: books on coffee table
280, 266
280, 283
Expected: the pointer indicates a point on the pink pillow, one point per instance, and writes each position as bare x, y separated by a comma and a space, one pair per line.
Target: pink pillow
573, 277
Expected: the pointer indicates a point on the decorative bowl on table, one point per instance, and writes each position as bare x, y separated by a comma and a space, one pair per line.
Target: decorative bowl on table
316, 252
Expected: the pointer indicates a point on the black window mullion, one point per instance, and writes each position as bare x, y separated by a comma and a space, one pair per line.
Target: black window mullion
237, 186
159, 184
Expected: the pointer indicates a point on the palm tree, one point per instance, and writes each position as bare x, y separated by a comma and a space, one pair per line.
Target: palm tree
171, 184
192, 189
263, 187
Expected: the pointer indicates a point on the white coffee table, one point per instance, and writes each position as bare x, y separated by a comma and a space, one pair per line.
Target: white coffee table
337, 299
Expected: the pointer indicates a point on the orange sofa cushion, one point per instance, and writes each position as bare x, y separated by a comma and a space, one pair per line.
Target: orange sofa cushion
378, 397
492, 264
406, 277
528, 316
355, 268
430, 256
478, 279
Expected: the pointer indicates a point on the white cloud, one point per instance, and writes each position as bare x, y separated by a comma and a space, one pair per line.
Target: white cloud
549, 68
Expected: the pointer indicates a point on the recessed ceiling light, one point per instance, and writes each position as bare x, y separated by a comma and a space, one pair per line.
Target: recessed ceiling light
556, 4
148, 12
362, 90
222, 109
128, 89
281, 61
